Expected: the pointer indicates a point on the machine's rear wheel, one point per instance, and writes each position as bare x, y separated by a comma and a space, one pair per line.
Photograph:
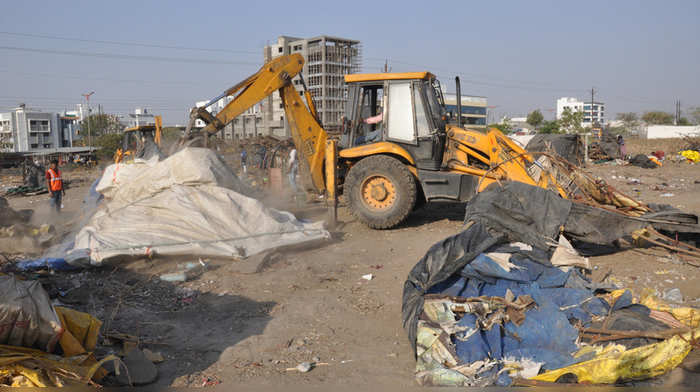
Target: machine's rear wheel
381, 191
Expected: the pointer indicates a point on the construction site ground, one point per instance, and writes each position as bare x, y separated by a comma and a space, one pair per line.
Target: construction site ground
250, 321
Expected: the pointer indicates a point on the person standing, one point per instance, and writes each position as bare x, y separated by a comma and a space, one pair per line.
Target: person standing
244, 158
621, 146
293, 166
54, 184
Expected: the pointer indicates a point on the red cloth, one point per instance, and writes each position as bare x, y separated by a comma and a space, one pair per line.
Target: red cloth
658, 154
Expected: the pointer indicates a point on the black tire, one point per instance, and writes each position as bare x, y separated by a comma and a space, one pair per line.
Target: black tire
381, 191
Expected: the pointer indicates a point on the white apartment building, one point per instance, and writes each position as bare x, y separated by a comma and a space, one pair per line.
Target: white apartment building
592, 113
25, 129
326, 62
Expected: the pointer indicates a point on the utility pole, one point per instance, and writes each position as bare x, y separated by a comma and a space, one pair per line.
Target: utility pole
87, 99
678, 112
592, 101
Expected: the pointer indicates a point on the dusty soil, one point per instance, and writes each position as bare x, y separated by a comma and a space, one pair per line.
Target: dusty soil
248, 321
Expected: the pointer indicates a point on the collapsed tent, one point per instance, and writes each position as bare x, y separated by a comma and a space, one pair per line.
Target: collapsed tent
569, 147
188, 204
509, 299
605, 148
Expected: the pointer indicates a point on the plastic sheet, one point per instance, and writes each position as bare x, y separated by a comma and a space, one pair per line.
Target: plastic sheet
618, 364
188, 204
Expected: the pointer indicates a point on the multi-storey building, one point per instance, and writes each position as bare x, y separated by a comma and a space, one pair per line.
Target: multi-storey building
592, 112
27, 130
326, 62
473, 109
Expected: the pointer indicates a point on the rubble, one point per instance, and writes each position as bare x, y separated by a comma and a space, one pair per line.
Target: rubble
488, 302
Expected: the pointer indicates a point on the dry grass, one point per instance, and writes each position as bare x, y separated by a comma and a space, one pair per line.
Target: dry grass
646, 146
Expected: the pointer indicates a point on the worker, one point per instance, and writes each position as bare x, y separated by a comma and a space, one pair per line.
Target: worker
54, 184
371, 136
244, 158
293, 166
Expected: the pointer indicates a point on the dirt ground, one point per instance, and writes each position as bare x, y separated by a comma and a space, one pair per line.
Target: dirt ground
246, 322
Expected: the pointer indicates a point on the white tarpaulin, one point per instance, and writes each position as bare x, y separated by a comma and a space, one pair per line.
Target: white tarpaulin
188, 204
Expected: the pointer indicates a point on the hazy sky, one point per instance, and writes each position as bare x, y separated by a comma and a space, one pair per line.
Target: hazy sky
165, 55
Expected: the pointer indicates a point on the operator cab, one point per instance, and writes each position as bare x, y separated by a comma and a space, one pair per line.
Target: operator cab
402, 108
142, 141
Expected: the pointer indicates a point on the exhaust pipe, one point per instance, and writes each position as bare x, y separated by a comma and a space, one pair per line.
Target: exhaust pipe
459, 102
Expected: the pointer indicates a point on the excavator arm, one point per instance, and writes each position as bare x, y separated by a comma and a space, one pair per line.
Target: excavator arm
276, 75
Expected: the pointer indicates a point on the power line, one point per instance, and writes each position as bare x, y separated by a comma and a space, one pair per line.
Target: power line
78, 77
127, 56
145, 45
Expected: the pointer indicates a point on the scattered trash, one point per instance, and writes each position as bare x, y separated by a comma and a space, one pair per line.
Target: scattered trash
667, 195
140, 369
368, 277
306, 366
477, 318
34, 330
188, 272
644, 161
691, 155
46, 263
673, 295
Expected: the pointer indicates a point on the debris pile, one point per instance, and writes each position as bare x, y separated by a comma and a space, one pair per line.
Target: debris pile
188, 204
45, 345
17, 235
568, 147
509, 302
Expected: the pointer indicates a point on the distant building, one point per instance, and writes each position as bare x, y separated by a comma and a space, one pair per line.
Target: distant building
473, 109
326, 62
26, 130
141, 116
592, 113
520, 126
246, 125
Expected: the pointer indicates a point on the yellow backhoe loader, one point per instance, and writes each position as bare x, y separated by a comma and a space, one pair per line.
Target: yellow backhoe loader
396, 149
141, 141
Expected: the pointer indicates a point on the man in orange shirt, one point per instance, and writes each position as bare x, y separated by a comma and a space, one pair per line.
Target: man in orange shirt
54, 184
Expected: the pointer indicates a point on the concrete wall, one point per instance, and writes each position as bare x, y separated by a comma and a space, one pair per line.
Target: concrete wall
670, 131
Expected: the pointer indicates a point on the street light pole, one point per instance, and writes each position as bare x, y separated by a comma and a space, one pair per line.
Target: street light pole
87, 98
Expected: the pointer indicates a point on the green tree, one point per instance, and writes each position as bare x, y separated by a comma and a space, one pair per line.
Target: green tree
100, 124
683, 121
630, 120
658, 118
108, 143
549, 127
504, 126
535, 118
570, 121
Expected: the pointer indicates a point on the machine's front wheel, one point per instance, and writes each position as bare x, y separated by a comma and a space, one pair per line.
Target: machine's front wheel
381, 191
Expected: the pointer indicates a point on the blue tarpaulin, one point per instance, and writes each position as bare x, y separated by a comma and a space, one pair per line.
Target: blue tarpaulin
546, 335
